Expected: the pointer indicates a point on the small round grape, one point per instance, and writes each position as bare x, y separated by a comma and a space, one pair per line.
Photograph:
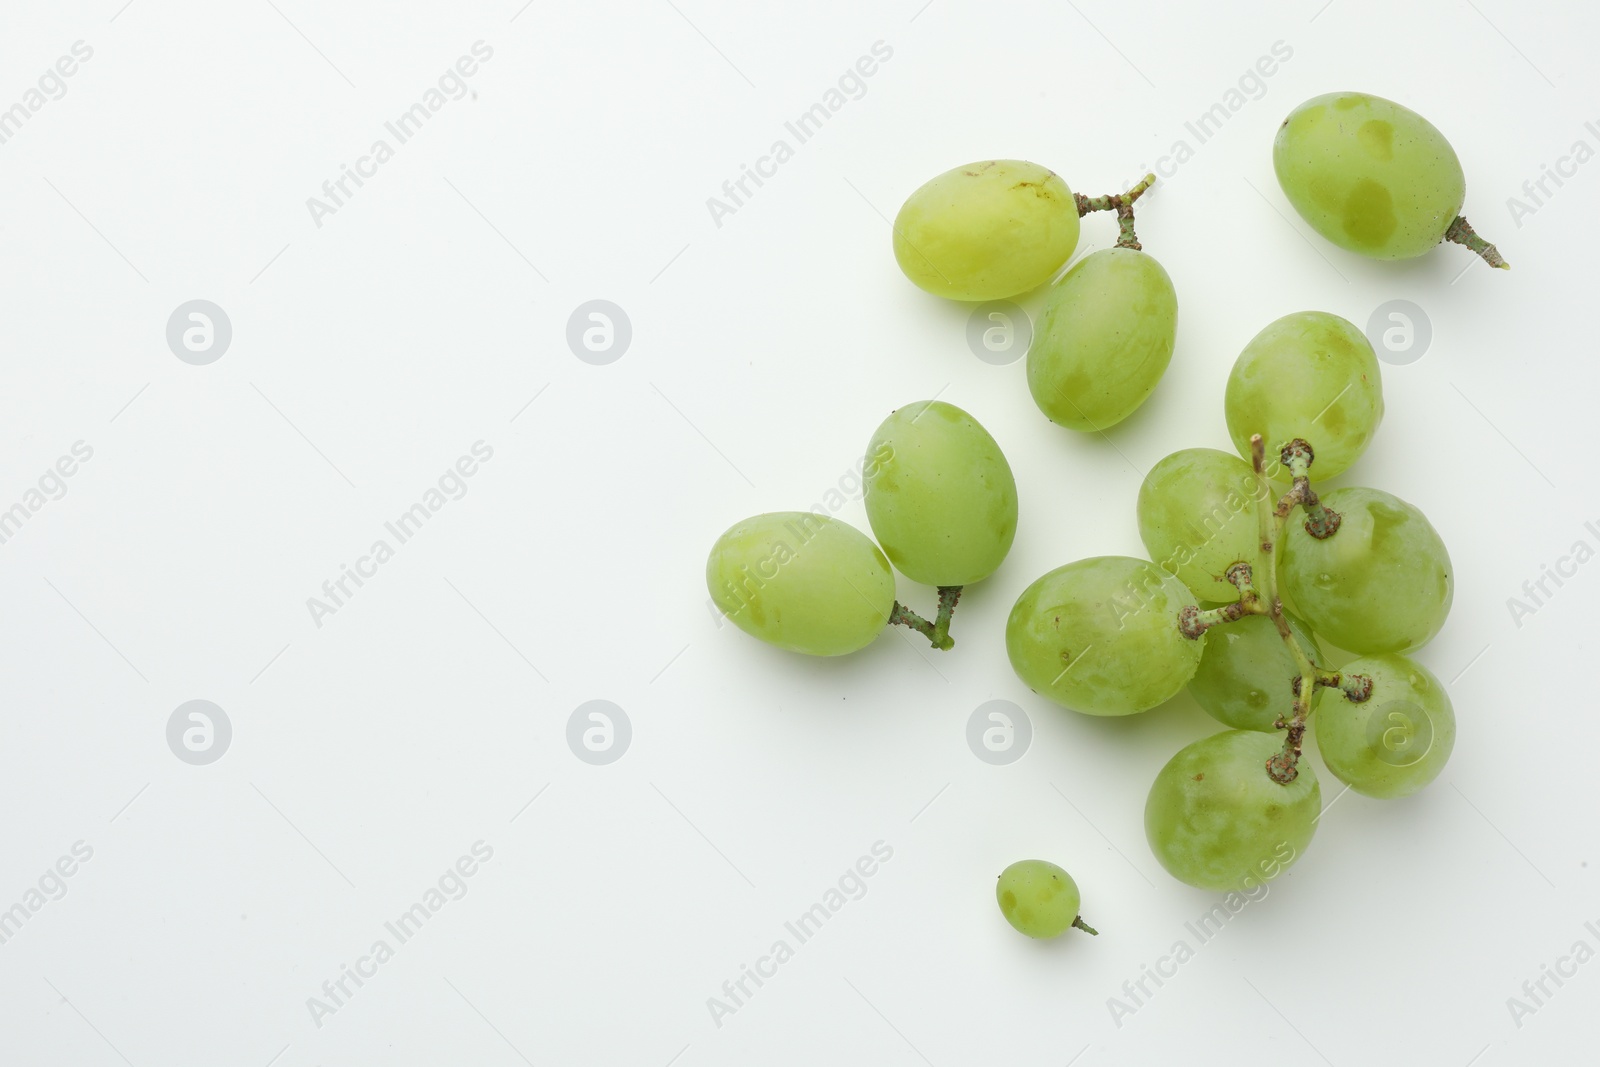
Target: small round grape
1039, 899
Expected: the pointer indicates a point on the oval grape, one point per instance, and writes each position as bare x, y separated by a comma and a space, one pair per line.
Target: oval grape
1246, 674
986, 231
1312, 376
1398, 739
1381, 583
1216, 820
1101, 636
1368, 174
1197, 517
1038, 898
802, 581
1104, 340
940, 495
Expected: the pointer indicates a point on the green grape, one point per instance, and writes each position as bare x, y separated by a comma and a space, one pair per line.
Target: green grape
1398, 739
1101, 636
940, 495
802, 581
1197, 517
1312, 376
1369, 175
1246, 673
1039, 899
1104, 340
1215, 818
987, 230
1380, 584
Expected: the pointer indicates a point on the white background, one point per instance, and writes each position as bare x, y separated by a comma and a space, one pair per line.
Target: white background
372, 351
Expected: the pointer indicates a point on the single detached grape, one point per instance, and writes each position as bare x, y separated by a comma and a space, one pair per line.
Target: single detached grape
802, 581
1398, 739
1100, 636
1104, 340
1039, 899
940, 495
1382, 583
1312, 376
987, 230
1197, 517
1215, 818
1246, 673
1369, 175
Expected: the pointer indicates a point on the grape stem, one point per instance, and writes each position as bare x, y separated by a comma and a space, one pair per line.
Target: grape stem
1122, 204
938, 631
1085, 927
1462, 233
1193, 622
1321, 522
1263, 599
1282, 766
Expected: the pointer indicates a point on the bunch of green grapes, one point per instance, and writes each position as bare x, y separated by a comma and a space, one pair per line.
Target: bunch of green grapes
1115, 635
941, 501
1367, 573
1229, 537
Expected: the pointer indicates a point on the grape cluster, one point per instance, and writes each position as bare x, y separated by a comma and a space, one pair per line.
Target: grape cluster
1250, 570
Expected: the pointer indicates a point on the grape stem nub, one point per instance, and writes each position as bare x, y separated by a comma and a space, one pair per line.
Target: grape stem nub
1462, 233
1193, 623
949, 596
938, 631
1122, 204
1085, 927
1321, 522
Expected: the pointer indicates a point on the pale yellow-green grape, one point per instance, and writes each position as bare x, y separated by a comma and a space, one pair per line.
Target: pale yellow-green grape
1039, 899
1382, 583
805, 582
1104, 340
987, 230
1398, 739
1312, 376
1216, 820
1197, 517
1246, 674
1368, 174
940, 495
1101, 636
